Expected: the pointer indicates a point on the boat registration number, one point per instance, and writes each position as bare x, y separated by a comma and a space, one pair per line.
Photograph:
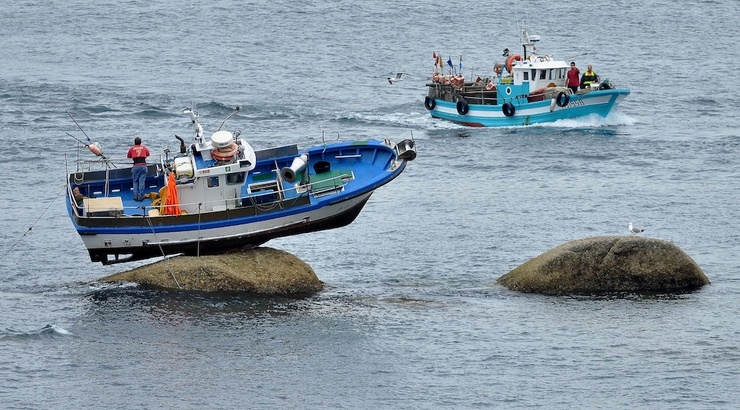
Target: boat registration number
576, 103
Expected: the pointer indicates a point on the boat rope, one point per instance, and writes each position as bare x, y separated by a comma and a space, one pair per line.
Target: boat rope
33, 224
167, 261
197, 253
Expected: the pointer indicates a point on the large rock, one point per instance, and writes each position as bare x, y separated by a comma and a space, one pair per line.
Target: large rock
607, 264
260, 270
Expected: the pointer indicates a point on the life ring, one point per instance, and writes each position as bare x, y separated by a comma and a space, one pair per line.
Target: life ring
429, 103
562, 99
510, 61
491, 86
225, 153
462, 107
508, 109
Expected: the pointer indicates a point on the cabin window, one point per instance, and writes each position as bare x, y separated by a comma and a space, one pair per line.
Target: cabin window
212, 182
543, 74
526, 76
562, 73
552, 74
235, 178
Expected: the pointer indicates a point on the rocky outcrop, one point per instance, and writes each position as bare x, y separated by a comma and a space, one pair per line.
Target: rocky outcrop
260, 270
607, 264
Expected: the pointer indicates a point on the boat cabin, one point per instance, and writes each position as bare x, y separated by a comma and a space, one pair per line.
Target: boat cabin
531, 72
529, 75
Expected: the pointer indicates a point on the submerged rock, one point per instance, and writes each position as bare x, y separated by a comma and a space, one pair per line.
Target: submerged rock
607, 264
260, 270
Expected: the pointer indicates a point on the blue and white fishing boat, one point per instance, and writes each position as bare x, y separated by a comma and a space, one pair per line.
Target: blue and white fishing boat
526, 89
218, 194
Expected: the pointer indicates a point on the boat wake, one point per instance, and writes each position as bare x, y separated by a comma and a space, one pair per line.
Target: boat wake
591, 121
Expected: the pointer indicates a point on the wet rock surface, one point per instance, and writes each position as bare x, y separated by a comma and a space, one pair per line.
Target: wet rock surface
260, 271
607, 264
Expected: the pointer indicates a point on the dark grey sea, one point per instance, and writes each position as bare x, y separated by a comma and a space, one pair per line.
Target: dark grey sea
411, 317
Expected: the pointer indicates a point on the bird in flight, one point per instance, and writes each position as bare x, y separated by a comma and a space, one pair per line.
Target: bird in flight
398, 77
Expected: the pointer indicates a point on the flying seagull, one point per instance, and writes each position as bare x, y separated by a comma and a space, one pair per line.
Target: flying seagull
398, 77
635, 230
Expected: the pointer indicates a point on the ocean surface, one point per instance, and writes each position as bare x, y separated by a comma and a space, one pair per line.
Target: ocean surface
411, 316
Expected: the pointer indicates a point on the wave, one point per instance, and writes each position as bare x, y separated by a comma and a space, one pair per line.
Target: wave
46, 332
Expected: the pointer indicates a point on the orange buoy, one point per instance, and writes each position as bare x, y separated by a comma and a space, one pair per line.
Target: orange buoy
510, 61
95, 149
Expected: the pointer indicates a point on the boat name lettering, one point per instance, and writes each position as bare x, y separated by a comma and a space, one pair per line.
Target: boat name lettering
575, 103
206, 171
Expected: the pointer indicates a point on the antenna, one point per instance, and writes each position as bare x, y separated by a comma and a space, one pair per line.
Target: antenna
236, 110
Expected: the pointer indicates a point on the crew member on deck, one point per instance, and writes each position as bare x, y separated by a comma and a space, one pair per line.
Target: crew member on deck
589, 77
79, 198
138, 153
573, 81
497, 69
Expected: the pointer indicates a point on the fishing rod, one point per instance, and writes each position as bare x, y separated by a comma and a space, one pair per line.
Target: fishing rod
94, 147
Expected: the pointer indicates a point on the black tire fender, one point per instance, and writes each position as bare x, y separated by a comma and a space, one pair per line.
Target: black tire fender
563, 99
462, 107
429, 103
508, 109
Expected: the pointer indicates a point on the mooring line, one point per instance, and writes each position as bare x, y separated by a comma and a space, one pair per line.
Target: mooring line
33, 224
169, 265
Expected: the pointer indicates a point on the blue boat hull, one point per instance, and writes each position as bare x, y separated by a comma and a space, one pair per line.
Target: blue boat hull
600, 102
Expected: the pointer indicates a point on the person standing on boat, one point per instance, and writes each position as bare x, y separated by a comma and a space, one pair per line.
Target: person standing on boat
497, 68
138, 153
589, 77
573, 74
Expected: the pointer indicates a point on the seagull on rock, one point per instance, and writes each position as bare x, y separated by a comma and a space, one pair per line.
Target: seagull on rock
635, 230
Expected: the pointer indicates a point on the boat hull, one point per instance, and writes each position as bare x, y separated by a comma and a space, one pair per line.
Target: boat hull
109, 247
599, 102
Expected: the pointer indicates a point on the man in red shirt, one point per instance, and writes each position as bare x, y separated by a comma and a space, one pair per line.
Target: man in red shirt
138, 153
573, 77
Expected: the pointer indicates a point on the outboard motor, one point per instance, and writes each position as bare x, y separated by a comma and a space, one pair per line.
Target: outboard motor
290, 173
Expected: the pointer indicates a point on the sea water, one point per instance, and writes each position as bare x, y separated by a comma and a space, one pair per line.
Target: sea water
411, 316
